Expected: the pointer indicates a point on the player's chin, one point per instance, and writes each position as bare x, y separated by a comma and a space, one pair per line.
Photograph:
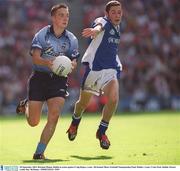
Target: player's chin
63, 26
116, 23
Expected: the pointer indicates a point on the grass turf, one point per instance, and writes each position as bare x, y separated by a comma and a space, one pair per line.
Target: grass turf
136, 139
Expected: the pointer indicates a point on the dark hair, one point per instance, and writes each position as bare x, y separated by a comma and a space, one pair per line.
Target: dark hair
112, 3
56, 7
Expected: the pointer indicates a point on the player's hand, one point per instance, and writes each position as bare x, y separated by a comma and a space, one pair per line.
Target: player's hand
92, 32
74, 64
49, 63
89, 32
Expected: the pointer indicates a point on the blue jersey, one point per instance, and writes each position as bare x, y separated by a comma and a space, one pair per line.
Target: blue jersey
102, 52
52, 46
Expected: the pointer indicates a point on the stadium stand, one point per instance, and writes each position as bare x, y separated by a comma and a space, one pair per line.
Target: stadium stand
149, 50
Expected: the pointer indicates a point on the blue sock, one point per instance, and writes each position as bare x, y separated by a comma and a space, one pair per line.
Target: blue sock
40, 148
76, 120
103, 127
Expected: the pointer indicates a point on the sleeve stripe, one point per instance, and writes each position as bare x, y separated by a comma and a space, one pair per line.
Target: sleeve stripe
36, 46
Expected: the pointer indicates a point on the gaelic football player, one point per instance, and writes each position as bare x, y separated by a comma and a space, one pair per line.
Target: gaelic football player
103, 69
43, 85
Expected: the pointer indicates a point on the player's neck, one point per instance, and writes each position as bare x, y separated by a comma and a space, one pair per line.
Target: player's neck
58, 31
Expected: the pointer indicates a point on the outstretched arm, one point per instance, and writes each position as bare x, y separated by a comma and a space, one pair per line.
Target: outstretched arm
92, 32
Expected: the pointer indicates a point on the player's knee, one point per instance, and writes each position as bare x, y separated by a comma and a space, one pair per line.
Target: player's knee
33, 123
33, 118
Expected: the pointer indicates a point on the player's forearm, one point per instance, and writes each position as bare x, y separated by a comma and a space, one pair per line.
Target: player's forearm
40, 61
97, 29
92, 32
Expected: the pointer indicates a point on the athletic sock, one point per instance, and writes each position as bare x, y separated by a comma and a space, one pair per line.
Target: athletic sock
40, 148
103, 127
76, 119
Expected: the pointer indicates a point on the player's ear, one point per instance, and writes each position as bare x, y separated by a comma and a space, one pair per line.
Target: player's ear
105, 13
53, 18
122, 12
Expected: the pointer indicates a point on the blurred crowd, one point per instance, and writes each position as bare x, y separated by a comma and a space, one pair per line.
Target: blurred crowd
149, 52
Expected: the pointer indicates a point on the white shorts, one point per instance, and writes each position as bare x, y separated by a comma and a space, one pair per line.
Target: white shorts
97, 80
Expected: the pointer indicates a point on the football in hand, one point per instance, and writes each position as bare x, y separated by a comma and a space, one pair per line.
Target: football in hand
62, 66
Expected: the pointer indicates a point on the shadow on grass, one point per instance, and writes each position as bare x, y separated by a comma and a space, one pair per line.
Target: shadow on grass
92, 158
44, 161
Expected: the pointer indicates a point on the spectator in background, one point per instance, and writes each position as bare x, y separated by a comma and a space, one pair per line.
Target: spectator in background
149, 46
150, 32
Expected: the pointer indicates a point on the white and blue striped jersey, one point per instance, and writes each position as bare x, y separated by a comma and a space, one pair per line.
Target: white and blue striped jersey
102, 52
52, 46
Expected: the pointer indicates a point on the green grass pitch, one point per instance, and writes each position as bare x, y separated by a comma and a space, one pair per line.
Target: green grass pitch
136, 139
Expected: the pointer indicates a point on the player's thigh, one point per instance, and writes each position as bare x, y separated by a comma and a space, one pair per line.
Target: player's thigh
55, 106
35, 108
111, 90
84, 97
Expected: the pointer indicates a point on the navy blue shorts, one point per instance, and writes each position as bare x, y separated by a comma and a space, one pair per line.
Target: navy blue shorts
43, 86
